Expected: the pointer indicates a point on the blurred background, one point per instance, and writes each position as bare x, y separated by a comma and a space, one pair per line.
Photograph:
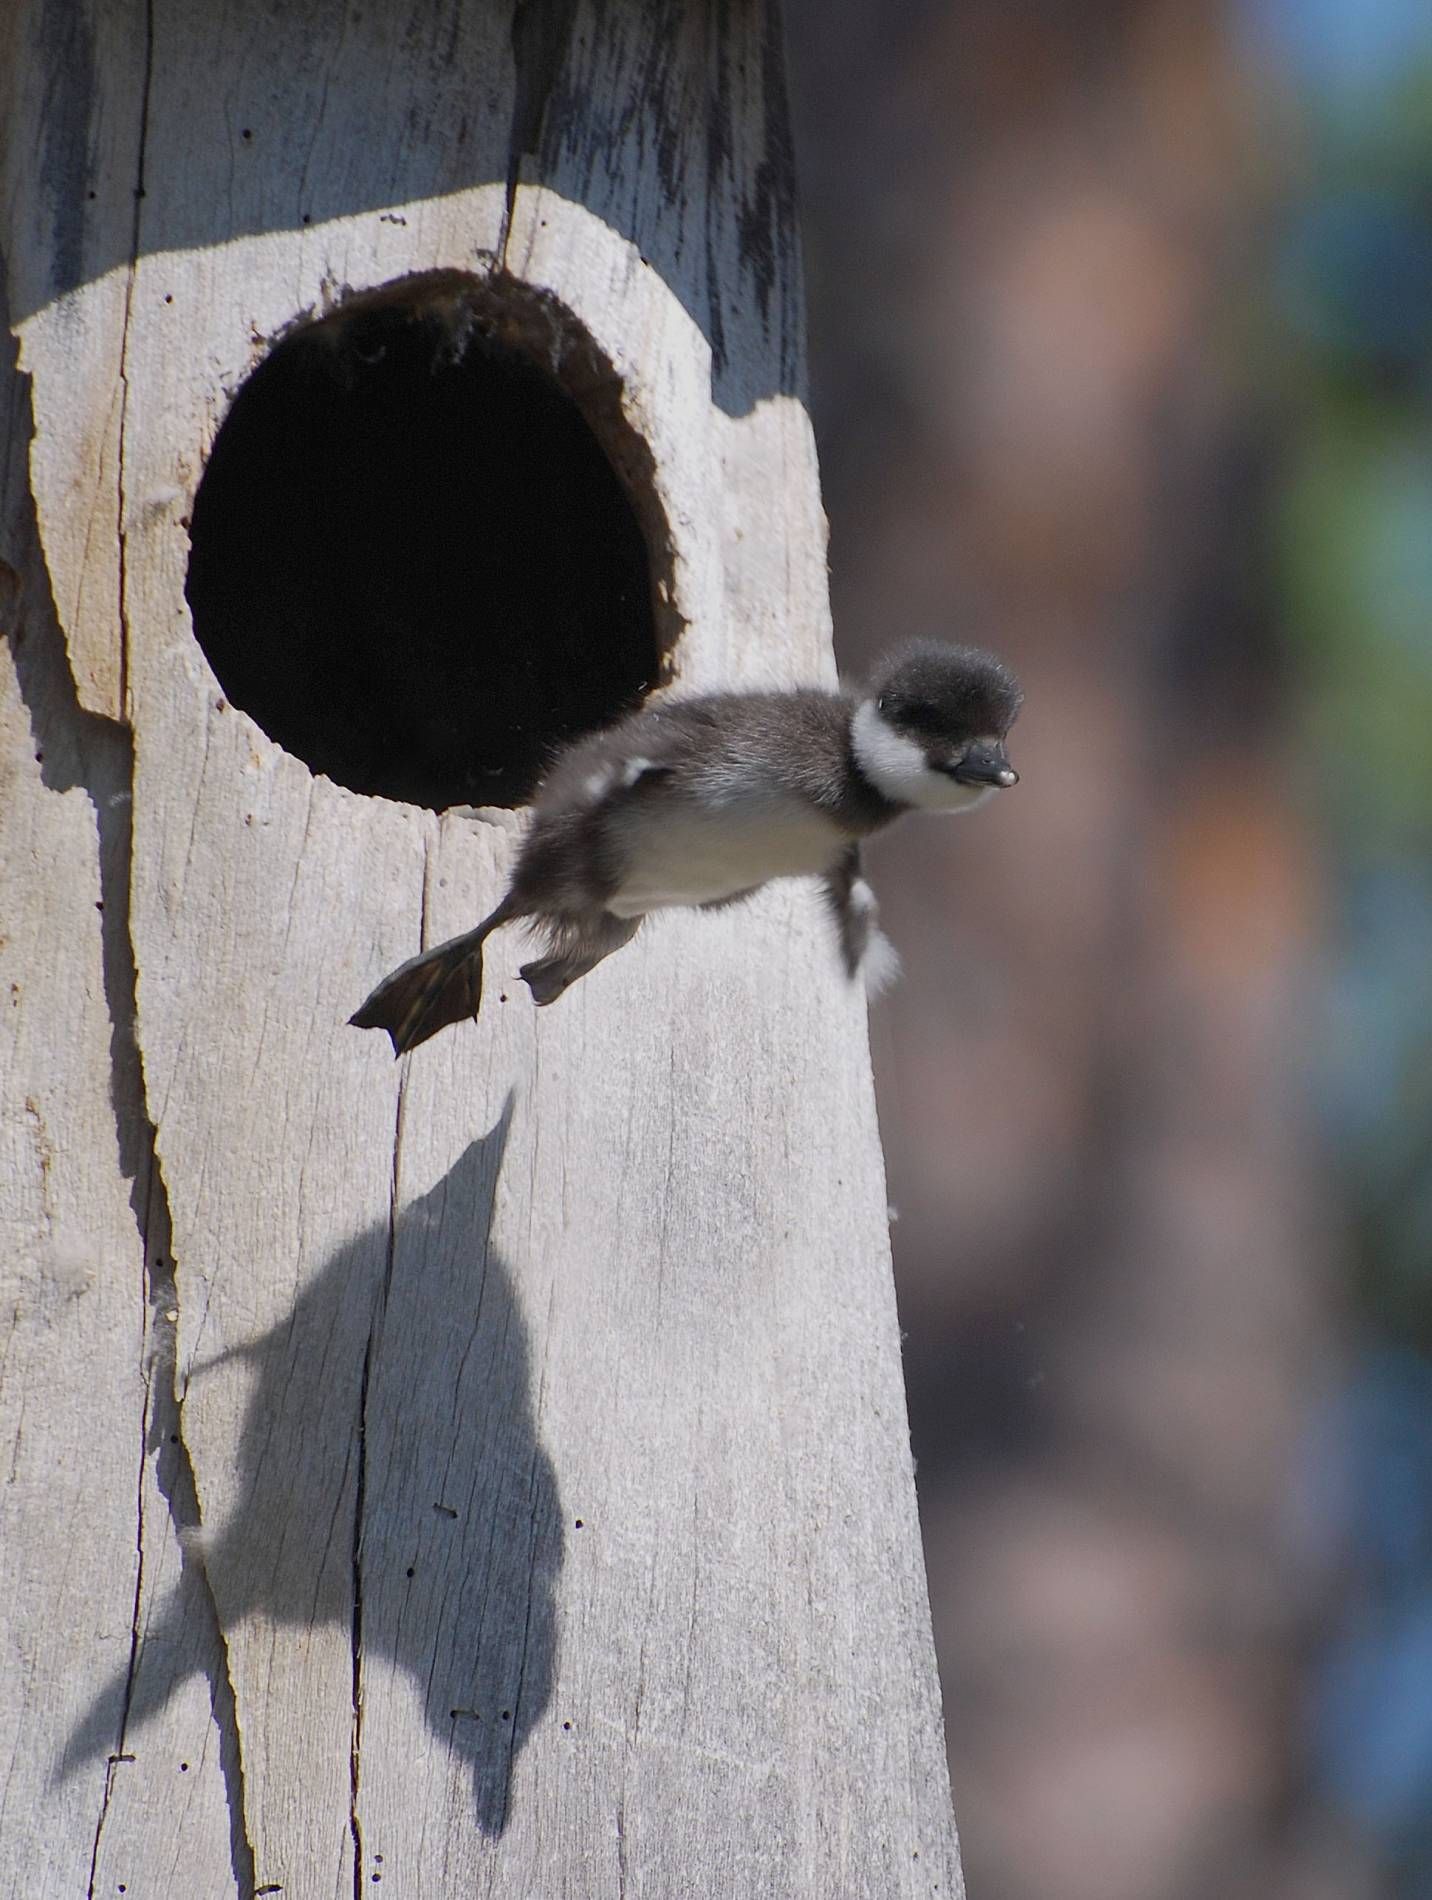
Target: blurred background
1121, 324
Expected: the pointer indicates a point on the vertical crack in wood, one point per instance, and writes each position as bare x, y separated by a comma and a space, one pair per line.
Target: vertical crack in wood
136, 1132
621, 1848
223, 1701
355, 1749
355, 1822
634, 1734
534, 1533
99, 755
83, 751
93, 754
143, 1197
87, 752
105, 760
124, 640
540, 32
174, 1473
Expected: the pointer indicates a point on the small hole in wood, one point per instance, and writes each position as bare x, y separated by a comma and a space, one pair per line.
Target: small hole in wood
427, 548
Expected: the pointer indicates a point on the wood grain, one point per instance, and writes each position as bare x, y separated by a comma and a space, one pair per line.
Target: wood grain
88, 1508
527, 1484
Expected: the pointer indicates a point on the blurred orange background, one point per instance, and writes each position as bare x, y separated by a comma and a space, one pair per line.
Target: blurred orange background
1122, 365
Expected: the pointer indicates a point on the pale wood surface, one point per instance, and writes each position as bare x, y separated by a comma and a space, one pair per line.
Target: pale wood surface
71, 1311
624, 1262
89, 1508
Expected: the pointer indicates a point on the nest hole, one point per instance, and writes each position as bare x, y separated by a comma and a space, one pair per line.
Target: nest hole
422, 549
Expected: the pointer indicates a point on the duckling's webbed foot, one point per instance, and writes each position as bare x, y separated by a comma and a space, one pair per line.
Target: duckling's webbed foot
579, 945
865, 950
429, 991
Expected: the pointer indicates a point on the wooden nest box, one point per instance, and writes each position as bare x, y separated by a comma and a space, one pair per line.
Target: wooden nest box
486, 1474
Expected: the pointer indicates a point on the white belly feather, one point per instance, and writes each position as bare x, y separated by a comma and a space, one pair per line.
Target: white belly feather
688, 855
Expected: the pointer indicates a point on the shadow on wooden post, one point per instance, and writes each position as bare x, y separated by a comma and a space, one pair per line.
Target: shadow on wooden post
460, 1531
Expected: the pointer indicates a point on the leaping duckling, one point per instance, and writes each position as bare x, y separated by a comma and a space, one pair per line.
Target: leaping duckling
699, 802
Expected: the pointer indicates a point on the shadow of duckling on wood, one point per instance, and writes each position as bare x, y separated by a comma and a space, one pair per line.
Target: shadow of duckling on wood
699, 802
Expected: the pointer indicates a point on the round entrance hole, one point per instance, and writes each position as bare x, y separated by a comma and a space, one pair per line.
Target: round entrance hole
416, 558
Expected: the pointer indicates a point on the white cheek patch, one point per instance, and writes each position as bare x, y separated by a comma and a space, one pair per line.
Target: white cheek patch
895, 765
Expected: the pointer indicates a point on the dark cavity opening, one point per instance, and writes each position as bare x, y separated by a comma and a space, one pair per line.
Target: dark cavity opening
427, 548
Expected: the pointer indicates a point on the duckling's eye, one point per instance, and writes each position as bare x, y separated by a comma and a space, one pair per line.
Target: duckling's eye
924, 717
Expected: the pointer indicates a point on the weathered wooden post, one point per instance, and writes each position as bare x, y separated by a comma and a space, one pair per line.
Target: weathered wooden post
489, 1473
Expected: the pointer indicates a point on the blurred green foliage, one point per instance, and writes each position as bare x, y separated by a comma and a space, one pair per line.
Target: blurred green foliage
1350, 302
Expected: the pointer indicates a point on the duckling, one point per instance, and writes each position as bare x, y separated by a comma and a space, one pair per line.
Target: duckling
696, 803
